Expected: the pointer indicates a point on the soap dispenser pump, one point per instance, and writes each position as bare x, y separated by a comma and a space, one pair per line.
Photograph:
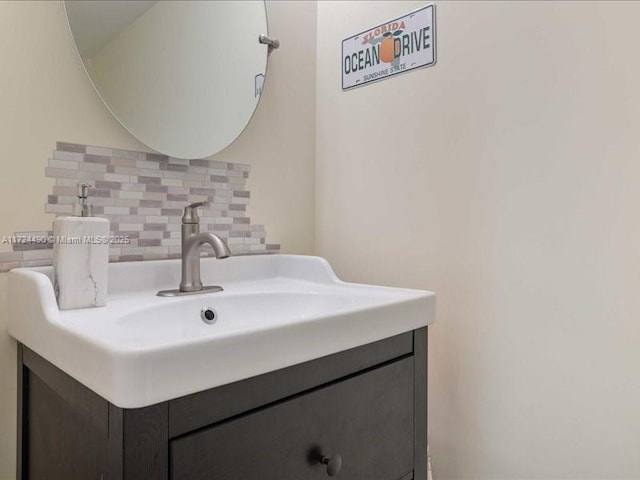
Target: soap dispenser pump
82, 208
80, 256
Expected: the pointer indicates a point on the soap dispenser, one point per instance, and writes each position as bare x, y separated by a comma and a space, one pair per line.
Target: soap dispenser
80, 256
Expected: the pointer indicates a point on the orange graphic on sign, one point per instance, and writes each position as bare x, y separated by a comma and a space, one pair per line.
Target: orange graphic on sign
389, 48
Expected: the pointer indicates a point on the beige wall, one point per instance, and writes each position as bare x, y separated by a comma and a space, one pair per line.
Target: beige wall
505, 178
45, 96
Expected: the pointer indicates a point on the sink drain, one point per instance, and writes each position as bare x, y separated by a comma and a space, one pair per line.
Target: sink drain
208, 315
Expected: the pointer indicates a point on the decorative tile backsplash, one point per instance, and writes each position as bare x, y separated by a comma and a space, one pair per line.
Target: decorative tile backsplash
143, 196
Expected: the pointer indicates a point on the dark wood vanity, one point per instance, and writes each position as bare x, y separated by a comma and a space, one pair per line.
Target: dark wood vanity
360, 414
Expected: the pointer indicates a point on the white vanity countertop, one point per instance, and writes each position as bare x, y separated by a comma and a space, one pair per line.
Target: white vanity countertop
275, 311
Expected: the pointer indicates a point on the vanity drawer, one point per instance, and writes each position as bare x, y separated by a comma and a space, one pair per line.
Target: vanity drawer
367, 419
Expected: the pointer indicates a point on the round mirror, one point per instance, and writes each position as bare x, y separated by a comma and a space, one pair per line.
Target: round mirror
184, 77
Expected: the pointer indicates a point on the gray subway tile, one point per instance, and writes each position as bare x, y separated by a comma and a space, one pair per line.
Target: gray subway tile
201, 191
151, 203
124, 154
148, 164
205, 172
133, 187
157, 188
154, 227
92, 167
149, 242
177, 197
124, 162
191, 183
101, 151
241, 167
60, 173
71, 147
6, 257
178, 161
94, 192
62, 164
161, 197
156, 219
97, 159
170, 242
59, 209
199, 163
171, 182
130, 227
171, 211
173, 167
157, 157
148, 211
40, 254
234, 173
107, 185
197, 177
149, 173
129, 171
218, 165
68, 156
21, 247
149, 180
89, 176
117, 177
122, 219
222, 226
131, 258
6, 266
128, 194
132, 234
34, 233
116, 210
150, 235
36, 263
173, 175
64, 191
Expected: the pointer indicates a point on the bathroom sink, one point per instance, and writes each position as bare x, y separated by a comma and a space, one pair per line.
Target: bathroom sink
275, 311
181, 320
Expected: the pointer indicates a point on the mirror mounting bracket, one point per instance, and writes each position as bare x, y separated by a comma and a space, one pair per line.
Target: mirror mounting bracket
272, 42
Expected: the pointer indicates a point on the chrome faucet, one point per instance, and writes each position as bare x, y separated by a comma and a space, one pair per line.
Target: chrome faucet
192, 242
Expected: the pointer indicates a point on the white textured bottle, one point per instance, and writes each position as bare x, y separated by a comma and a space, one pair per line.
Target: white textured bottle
80, 257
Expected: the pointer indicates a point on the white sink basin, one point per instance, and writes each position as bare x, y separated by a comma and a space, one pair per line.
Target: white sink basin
275, 311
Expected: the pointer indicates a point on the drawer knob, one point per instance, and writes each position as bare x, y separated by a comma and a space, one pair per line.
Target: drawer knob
334, 464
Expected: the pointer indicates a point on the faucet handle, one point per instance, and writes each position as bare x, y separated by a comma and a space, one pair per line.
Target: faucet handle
191, 214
